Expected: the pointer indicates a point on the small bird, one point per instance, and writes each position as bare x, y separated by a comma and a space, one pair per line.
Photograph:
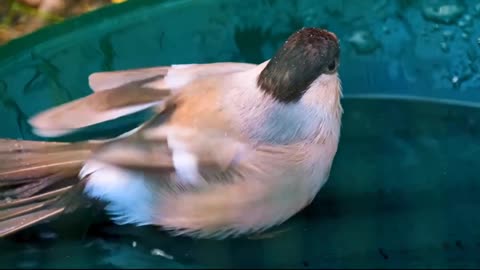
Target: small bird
231, 148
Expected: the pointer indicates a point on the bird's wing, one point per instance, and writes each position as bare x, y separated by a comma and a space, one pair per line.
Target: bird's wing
124, 92
191, 156
167, 77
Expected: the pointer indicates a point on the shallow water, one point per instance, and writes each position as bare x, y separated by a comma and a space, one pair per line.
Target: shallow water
403, 193
403, 190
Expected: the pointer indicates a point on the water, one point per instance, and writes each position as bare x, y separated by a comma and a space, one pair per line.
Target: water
404, 187
403, 193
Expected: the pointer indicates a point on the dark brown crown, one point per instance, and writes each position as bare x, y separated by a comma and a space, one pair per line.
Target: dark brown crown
305, 56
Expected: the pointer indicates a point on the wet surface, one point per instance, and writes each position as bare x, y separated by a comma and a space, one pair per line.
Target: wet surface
403, 195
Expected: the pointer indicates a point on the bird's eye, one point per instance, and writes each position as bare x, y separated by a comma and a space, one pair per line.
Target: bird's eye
332, 66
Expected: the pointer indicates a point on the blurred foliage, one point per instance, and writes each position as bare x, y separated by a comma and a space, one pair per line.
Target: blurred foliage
20, 17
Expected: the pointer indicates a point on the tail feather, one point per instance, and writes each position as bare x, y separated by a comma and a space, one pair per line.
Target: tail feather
24, 160
6, 204
12, 212
26, 187
38, 181
18, 223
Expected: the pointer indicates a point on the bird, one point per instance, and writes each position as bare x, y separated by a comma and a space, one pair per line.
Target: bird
231, 148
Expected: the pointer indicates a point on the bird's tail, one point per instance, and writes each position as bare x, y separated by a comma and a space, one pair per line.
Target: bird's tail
38, 181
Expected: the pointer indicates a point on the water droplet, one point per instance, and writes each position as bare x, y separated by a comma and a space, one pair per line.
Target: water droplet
465, 35
455, 80
363, 42
461, 23
444, 46
448, 35
478, 41
134, 244
445, 12
467, 18
48, 235
159, 252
